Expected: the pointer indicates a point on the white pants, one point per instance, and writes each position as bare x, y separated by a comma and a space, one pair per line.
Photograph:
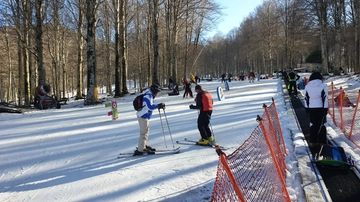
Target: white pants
144, 133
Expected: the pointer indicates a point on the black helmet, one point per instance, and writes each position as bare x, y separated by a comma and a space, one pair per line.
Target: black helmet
316, 75
46, 88
197, 87
155, 88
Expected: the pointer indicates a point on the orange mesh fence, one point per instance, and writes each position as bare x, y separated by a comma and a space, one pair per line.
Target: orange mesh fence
273, 142
256, 170
272, 114
345, 112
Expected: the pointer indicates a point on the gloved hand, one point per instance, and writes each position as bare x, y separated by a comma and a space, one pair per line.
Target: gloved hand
191, 106
161, 105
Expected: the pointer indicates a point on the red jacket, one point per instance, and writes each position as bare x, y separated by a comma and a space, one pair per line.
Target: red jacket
204, 101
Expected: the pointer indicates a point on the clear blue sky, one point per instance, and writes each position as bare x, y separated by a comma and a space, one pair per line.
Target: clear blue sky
234, 12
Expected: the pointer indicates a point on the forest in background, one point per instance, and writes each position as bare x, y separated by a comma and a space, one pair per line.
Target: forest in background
79, 45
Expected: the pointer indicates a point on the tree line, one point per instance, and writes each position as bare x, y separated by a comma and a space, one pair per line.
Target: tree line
282, 34
78, 45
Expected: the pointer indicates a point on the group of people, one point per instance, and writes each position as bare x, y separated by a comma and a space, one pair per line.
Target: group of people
204, 104
316, 105
224, 77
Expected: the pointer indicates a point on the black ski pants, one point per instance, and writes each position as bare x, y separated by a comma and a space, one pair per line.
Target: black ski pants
292, 88
317, 129
203, 124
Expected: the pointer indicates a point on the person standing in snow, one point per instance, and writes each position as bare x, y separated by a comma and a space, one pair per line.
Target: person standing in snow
316, 103
251, 77
223, 77
292, 78
171, 84
144, 116
204, 103
188, 91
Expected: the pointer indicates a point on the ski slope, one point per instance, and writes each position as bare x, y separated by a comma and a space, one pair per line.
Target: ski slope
70, 154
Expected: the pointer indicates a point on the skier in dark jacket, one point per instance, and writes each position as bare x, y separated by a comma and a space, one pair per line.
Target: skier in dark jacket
188, 91
204, 104
292, 78
316, 103
223, 77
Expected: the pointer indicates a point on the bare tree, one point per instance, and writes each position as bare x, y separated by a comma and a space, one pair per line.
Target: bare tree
91, 51
123, 46
39, 42
156, 41
355, 16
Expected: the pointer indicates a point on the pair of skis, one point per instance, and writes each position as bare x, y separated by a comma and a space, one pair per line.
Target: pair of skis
194, 142
171, 151
157, 152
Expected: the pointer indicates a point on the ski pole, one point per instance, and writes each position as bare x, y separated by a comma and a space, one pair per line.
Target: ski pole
169, 128
162, 126
212, 129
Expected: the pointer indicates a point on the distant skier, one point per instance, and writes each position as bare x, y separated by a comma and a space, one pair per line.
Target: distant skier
345, 102
204, 103
197, 79
292, 78
223, 77
188, 91
316, 103
171, 84
251, 77
229, 77
144, 116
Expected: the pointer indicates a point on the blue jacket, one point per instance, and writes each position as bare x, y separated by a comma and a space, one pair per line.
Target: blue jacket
149, 105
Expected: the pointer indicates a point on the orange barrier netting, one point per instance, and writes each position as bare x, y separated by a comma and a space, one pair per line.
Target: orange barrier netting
345, 115
256, 170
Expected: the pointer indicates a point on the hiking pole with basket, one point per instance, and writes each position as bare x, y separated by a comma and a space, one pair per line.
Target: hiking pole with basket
162, 127
212, 131
172, 141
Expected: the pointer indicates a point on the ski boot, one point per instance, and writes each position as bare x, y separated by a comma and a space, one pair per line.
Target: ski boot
212, 141
203, 141
150, 148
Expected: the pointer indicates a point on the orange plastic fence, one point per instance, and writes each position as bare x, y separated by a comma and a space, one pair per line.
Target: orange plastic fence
256, 170
345, 116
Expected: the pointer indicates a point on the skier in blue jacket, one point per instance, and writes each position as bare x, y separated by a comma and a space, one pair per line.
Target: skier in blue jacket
144, 116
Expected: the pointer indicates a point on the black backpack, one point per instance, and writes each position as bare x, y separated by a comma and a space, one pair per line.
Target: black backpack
138, 102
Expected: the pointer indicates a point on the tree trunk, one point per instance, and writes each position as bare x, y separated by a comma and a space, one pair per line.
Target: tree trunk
117, 47
123, 47
39, 42
156, 42
80, 45
26, 54
91, 51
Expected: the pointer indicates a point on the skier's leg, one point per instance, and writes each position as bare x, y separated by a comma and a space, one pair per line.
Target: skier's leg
201, 126
144, 133
207, 123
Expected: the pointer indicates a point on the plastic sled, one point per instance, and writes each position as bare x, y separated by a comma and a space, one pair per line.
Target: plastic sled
332, 157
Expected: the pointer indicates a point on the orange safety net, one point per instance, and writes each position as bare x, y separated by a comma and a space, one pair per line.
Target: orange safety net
345, 112
256, 170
